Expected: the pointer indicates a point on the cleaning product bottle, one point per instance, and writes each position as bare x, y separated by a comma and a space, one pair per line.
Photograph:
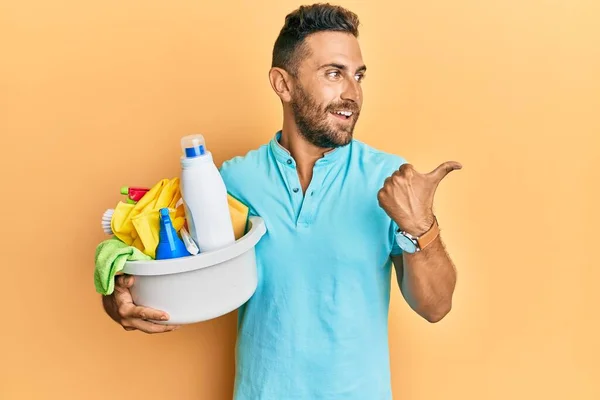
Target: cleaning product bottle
204, 196
169, 245
134, 194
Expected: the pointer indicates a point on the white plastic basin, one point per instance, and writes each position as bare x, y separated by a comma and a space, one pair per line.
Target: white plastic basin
201, 287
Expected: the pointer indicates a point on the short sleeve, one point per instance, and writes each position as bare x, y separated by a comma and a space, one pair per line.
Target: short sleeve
396, 250
239, 174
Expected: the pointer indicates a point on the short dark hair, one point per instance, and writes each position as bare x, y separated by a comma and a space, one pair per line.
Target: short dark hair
290, 48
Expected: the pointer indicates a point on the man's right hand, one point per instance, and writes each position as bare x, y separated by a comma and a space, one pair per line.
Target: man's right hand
133, 317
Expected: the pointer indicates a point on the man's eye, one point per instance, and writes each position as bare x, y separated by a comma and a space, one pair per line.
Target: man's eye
333, 74
359, 77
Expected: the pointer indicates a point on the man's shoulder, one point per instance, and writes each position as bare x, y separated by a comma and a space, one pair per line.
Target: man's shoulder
245, 170
254, 158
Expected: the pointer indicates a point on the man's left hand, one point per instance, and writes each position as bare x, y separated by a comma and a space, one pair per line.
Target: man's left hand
407, 196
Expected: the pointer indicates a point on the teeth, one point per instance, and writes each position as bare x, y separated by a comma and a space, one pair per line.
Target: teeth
345, 113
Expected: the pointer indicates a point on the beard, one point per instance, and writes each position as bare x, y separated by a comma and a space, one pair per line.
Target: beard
314, 123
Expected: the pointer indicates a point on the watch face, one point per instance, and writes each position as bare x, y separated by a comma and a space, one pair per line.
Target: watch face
405, 243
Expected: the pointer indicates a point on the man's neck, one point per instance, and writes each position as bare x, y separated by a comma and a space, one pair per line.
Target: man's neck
304, 153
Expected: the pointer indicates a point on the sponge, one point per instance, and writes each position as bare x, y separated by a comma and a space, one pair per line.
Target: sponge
240, 214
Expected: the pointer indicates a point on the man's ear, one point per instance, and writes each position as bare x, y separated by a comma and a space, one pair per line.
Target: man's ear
281, 83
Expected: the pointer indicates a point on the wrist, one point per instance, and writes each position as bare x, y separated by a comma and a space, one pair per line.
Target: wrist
418, 227
415, 242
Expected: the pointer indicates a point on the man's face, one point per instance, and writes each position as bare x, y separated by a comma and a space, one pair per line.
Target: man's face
327, 97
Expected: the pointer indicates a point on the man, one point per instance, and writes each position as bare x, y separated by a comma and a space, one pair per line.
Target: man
338, 212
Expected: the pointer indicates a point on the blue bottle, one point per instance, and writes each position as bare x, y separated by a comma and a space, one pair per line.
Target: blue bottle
169, 245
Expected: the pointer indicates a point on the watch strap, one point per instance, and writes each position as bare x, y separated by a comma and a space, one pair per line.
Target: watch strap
425, 239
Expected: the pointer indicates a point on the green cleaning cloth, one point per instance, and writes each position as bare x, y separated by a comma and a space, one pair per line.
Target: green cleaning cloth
111, 256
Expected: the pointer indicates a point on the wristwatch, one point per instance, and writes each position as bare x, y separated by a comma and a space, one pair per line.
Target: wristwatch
412, 244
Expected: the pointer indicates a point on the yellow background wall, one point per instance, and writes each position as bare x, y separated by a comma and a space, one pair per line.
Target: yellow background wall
95, 95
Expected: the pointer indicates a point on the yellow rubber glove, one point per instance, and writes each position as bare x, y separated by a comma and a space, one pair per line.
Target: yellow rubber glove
138, 224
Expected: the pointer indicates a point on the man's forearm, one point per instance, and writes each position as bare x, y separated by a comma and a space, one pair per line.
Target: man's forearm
428, 280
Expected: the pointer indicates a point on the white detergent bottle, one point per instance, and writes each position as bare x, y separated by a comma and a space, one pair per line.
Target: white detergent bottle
204, 196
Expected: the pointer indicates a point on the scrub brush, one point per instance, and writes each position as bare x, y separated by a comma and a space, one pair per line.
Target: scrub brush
108, 214
106, 220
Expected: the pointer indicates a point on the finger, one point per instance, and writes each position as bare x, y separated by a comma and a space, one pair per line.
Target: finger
406, 170
150, 327
405, 167
147, 313
380, 196
124, 281
444, 169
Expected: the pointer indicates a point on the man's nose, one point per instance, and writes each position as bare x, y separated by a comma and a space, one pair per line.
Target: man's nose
352, 91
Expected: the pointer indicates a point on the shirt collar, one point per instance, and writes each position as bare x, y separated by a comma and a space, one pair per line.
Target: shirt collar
283, 155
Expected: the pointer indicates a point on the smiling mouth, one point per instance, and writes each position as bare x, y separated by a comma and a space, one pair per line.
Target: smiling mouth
343, 115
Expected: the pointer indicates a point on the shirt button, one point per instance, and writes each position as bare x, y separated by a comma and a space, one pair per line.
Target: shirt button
313, 192
296, 190
289, 161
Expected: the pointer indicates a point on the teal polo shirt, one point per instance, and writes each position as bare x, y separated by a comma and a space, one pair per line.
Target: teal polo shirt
317, 326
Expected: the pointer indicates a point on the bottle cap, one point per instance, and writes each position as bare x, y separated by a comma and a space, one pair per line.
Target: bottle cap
169, 244
193, 146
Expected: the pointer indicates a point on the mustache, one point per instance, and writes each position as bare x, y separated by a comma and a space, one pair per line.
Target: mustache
344, 105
